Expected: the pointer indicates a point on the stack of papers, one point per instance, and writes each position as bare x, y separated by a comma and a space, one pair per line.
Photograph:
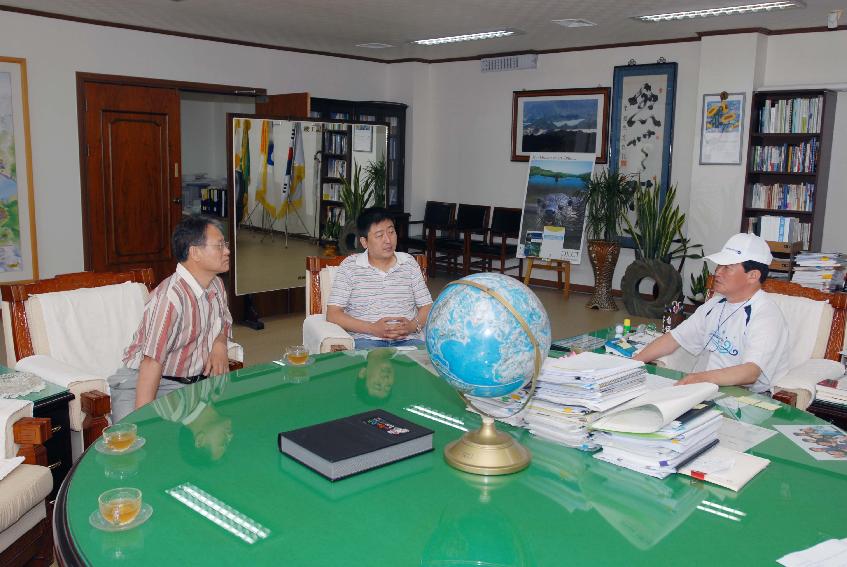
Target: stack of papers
573, 392
832, 391
820, 270
660, 431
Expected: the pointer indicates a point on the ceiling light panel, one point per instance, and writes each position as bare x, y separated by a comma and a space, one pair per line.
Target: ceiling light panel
574, 23
465, 37
725, 11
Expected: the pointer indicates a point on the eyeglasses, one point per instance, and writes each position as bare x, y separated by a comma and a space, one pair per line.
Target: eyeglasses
220, 245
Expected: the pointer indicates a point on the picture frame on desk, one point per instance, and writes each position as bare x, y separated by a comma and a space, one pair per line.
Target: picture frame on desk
721, 129
643, 104
560, 120
18, 250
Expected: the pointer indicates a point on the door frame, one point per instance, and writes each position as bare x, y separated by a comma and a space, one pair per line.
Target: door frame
183, 86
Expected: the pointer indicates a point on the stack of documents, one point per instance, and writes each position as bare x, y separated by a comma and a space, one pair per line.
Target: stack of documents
660, 431
820, 270
574, 391
832, 391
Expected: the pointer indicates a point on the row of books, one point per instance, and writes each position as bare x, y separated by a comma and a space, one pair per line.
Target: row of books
213, 201
783, 196
336, 168
787, 158
331, 191
820, 270
793, 116
205, 196
335, 143
780, 229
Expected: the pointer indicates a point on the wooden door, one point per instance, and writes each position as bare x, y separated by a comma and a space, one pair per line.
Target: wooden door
132, 189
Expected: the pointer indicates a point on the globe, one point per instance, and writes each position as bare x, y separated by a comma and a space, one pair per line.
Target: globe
477, 344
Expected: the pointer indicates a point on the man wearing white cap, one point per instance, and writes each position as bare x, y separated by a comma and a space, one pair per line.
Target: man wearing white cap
739, 336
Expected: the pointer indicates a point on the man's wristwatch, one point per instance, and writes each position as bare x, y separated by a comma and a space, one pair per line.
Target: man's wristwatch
417, 324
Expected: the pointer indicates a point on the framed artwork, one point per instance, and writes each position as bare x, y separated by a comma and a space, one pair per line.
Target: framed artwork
564, 120
363, 138
723, 122
18, 252
642, 121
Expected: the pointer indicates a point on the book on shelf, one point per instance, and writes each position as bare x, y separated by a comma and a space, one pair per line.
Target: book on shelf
336, 168
800, 115
343, 447
783, 196
331, 191
335, 142
787, 158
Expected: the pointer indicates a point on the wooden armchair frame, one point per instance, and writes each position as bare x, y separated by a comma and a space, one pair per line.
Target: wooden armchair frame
314, 264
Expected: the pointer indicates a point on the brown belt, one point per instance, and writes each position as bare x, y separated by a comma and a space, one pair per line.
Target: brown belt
186, 379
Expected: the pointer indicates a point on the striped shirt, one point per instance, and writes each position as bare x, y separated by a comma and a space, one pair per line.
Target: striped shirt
369, 294
185, 404
181, 322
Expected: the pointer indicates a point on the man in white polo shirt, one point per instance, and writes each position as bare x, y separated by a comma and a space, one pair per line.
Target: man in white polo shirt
740, 331
379, 296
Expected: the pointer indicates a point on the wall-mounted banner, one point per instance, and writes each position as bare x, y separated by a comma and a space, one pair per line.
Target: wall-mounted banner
553, 222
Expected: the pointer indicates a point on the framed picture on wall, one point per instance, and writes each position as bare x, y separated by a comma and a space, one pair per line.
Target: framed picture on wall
723, 122
642, 122
363, 138
564, 120
18, 252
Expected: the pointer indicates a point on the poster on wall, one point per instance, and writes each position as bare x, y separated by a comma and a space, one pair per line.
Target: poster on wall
18, 257
553, 221
642, 122
723, 121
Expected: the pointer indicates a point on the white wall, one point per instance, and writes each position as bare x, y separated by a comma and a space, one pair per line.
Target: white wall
55, 50
202, 122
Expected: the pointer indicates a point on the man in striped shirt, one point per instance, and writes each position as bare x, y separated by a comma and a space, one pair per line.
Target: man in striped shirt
182, 337
379, 296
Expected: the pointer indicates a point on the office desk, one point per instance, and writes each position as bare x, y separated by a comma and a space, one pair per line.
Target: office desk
566, 508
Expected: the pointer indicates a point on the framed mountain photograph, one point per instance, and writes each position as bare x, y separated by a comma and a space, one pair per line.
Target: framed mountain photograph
563, 120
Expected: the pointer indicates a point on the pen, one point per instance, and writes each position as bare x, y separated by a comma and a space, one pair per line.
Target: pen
694, 456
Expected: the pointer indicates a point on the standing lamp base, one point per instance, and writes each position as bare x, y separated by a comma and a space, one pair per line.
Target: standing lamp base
487, 451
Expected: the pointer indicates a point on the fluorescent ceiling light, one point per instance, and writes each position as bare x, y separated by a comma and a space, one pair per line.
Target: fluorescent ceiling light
374, 45
574, 23
726, 11
466, 37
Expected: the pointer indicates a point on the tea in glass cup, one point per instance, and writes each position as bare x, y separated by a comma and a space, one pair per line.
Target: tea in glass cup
297, 354
120, 437
120, 506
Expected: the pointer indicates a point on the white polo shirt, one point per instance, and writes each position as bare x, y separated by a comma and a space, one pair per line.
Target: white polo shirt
369, 294
729, 334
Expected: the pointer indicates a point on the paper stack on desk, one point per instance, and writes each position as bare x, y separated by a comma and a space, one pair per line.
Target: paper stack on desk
660, 431
574, 391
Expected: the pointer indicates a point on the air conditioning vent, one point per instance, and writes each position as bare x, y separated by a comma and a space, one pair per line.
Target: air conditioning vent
509, 63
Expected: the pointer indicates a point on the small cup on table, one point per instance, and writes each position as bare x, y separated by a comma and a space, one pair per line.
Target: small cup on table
121, 436
297, 355
120, 506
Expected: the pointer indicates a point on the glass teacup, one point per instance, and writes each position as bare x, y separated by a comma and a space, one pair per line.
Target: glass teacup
297, 354
120, 506
120, 437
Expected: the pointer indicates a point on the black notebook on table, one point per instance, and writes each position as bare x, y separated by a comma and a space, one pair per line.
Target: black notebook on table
343, 447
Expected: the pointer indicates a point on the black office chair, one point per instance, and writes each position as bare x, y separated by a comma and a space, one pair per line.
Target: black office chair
471, 220
438, 217
505, 225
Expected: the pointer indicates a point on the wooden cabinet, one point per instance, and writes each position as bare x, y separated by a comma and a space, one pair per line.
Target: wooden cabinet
788, 161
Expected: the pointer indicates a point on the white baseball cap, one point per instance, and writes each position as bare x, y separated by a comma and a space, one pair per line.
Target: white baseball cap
743, 247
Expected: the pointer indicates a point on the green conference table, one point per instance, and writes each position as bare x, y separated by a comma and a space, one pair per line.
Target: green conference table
566, 508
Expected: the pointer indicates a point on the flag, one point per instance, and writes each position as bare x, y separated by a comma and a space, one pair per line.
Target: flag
295, 173
266, 193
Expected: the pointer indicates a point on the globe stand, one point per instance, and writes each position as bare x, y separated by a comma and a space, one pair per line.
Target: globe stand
487, 451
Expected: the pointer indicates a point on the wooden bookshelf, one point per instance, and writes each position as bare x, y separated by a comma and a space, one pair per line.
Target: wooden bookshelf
780, 185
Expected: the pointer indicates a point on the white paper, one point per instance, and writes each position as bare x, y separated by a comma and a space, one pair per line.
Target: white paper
830, 553
740, 436
653, 410
655, 382
821, 442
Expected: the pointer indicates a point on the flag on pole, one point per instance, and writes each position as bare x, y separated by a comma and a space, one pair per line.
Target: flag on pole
295, 173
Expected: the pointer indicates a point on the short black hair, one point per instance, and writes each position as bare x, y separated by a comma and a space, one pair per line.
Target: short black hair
750, 265
370, 217
191, 231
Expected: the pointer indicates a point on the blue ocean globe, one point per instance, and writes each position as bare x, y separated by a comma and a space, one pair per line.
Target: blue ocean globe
475, 337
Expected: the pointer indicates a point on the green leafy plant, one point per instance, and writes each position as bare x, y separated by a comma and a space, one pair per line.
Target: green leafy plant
332, 229
698, 285
610, 196
356, 195
376, 172
658, 227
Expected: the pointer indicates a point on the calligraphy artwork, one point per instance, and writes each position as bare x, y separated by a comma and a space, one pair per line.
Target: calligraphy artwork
565, 120
642, 121
723, 122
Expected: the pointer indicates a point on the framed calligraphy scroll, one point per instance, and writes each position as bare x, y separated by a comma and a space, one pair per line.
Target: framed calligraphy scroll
642, 122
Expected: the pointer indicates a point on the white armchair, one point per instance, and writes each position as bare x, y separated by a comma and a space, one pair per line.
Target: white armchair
319, 335
816, 327
25, 534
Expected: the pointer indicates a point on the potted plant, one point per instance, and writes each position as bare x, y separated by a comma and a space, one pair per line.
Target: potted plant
356, 195
610, 195
698, 286
332, 229
659, 240
376, 173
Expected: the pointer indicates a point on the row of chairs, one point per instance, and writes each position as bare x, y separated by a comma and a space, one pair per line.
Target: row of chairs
464, 238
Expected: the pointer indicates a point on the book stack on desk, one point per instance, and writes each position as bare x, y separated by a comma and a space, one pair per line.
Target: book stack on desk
833, 392
573, 392
661, 431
